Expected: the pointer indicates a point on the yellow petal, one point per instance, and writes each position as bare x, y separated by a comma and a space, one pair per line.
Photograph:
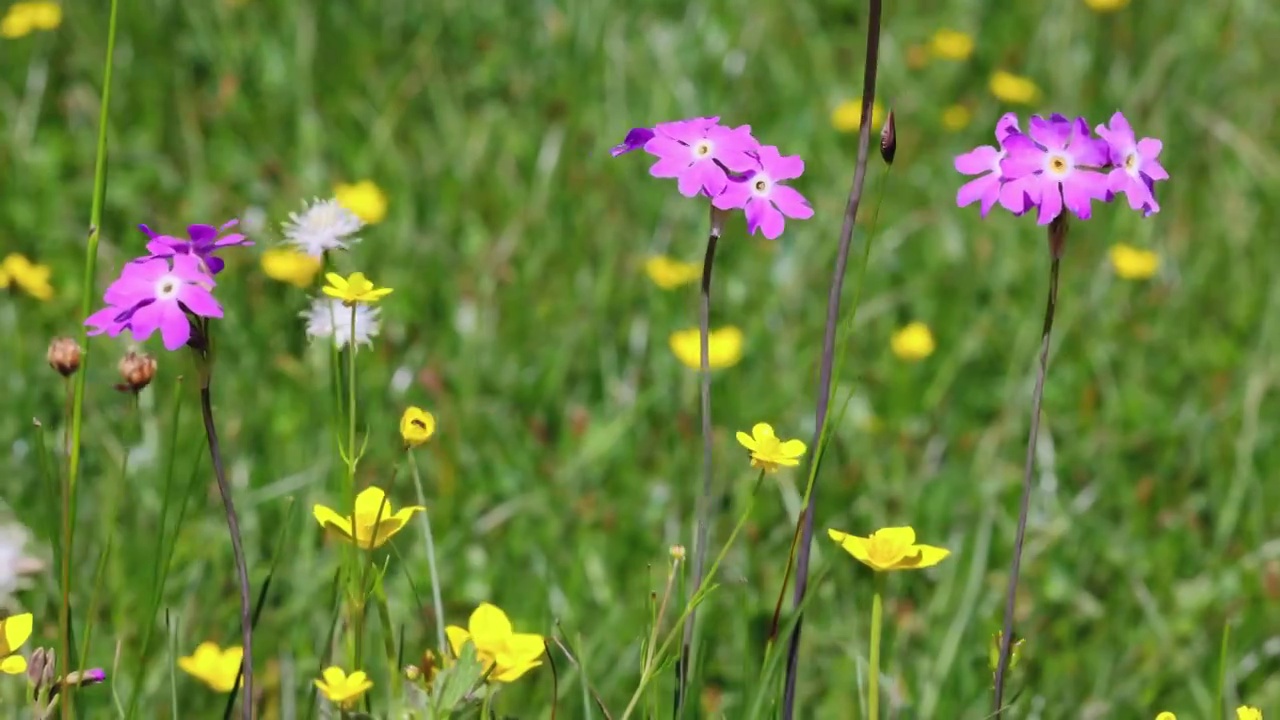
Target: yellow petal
372, 506
334, 676
763, 432
457, 638
746, 440
16, 629
897, 535
490, 628
1166, 715
792, 448
525, 647
332, 520
336, 280
513, 672
923, 556
13, 665
855, 546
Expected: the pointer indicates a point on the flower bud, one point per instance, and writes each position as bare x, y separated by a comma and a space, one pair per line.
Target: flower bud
889, 139
677, 553
416, 426
137, 370
64, 356
40, 658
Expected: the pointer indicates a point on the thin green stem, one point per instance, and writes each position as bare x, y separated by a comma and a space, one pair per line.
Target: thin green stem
356, 613
437, 601
873, 671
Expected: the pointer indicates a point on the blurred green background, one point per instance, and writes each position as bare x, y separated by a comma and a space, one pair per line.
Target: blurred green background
567, 458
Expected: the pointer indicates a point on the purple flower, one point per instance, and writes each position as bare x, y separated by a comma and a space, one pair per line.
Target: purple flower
204, 242
157, 293
1053, 162
762, 196
634, 140
992, 186
1135, 168
698, 153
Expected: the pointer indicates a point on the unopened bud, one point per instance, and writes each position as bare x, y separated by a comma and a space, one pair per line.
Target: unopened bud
993, 656
889, 139
677, 553
137, 370
35, 670
64, 356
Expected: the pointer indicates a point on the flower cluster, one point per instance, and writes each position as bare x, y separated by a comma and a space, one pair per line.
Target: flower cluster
1058, 163
165, 289
728, 166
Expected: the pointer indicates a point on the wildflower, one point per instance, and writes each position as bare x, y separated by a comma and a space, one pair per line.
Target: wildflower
891, 548
912, 342
697, 152
504, 653
1135, 167
847, 116
214, 666
956, 118
365, 199
1014, 88
64, 356
375, 522
763, 197
322, 226
1052, 159
1246, 712
951, 44
24, 18
416, 426
17, 563
291, 266
724, 347
767, 451
31, 278
157, 293
1166, 715
330, 318
1106, 6
136, 370
1133, 263
635, 139
669, 273
14, 631
203, 242
353, 289
991, 186
342, 689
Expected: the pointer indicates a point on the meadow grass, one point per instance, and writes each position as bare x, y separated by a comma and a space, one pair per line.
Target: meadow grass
567, 459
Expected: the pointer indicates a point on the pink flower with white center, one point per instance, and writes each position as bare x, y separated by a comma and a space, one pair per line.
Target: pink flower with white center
1135, 165
763, 197
1056, 166
699, 153
157, 294
992, 186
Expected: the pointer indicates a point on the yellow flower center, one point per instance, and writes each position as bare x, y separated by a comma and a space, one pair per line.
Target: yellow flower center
1130, 161
702, 148
886, 551
1058, 164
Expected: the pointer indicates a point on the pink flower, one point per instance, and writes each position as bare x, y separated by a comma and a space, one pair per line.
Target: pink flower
992, 186
204, 242
1054, 164
762, 196
157, 293
1135, 167
698, 153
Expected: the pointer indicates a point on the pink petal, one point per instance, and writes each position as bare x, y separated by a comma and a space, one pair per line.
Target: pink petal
1154, 170
1149, 148
979, 160
1080, 188
1022, 157
667, 148
1050, 203
1019, 196
175, 326
763, 215
791, 203
972, 191
1048, 133
686, 131
786, 167
200, 301
1006, 125
669, 167
145, 320
735, 196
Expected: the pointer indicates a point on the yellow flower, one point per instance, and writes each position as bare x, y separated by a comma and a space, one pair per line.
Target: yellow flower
364, 198
354, 289
31, 277
291, 266
724, 347
214, 666
951, 44
668, 273
342, 689
14, 631
1105, 6
416, 426
892, 548
767, 451
1014, 88
24, 18
374, 523
1246, 712
913, 342
956, 118
847, 117
1166, 715
510, 654
1133, 263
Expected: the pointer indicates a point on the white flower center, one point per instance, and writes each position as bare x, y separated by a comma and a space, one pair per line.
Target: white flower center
1058, 165
1132, 163
761, 185
702, 149
167, 287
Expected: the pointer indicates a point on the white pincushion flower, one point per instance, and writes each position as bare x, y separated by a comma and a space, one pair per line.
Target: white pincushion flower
328, 317
322, 225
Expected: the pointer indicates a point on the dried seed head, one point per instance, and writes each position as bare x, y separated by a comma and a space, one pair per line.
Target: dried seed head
137, 370
64, 356
889, 139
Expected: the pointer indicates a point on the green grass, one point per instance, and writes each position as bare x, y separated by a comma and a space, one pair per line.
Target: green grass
567, 458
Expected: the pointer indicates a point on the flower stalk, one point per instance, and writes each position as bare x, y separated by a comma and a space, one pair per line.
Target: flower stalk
873, 670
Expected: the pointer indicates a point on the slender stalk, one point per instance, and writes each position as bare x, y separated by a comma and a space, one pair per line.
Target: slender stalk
873, 671
829, 342
357, 597
1057, 239
703, 510
437, 602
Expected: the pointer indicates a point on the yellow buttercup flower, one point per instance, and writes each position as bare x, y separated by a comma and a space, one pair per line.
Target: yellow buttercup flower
291, 266
1105, 6
364, 198
416, 426
510, 654
724, 347
913, 342
956, 118
1014, 88
1246, 712
767, 451
375, 521
214, 666
892, 548
32, 278
951, 44
669, 273
1166, 715
847, 116
342, 689
24, 18
1133, 263
353, 289
14, 631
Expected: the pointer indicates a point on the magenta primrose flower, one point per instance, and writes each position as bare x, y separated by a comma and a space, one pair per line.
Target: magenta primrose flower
1136, 168
203, 243
763, 198
157, 293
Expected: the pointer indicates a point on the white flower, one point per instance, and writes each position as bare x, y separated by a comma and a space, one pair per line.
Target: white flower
15, 563
328, 317
321, 226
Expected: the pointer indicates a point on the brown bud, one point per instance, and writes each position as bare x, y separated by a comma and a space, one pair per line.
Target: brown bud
35, 669
137, 370
889, 139
64, 356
